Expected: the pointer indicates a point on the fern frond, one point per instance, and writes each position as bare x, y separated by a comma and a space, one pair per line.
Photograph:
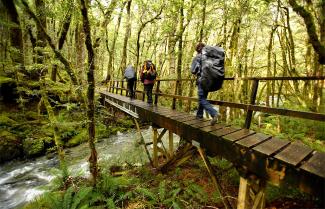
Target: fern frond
80, 196
162, 190
67, 199
110, 203
147, 193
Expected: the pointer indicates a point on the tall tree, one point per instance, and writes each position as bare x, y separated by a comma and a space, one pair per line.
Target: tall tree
93, 167
126, 36
318, 46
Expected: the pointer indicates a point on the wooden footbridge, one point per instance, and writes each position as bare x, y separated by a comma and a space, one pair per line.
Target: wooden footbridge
259, 158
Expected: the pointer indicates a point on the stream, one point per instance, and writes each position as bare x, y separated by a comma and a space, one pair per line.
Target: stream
23, 181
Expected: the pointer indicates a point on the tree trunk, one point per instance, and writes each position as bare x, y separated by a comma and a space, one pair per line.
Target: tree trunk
64, 32
110, 66
203, 20
126, 37
180, 51
16, 40
318, 46
93, 167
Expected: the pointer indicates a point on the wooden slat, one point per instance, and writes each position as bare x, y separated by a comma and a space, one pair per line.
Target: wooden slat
225, 131
238, 135
269, 147
316, 164
188, 118
195, 121
180, 116
253, 140
294, 153
212, 128
202, 124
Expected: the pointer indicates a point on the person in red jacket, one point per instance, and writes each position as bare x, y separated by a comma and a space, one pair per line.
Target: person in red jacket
148, 76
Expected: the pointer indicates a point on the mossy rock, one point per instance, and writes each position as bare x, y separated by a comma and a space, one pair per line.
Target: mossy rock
78, 139
10, 146
33, 147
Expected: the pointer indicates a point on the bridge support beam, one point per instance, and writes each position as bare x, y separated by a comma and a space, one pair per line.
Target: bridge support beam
170, 144
155, 147
251, 194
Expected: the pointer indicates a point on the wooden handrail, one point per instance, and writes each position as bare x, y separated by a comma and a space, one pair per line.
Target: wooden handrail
302, 78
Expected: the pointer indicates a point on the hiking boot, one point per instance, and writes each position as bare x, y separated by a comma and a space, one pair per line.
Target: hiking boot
198, 117
214, 120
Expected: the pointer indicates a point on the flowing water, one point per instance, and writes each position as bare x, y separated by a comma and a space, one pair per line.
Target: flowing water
22, 181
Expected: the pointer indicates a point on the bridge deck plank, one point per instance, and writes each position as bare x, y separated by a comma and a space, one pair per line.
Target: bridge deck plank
192, 122
315, 164
201, 125
225, 131
213, 128
294, 153
253, 140
271, 146
186, 118
238, 135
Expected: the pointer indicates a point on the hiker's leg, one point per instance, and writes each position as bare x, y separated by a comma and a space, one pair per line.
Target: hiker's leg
199, 112
203, 95
149, 93
129, 88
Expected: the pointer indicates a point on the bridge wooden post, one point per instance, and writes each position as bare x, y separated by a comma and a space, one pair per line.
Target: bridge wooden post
122, 87
117, 87
251, 194
135, 89
110, 86
155, 146
249, 113
157, 91
170, 144
175, 93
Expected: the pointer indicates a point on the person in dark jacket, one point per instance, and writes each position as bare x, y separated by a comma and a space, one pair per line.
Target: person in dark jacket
148, 76
196, 68
129, 75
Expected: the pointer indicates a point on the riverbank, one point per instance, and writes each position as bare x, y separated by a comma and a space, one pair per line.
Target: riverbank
26, 134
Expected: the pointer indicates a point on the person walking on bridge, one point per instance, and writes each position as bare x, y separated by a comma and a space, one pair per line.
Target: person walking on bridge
148, 76
196, 69
130, 76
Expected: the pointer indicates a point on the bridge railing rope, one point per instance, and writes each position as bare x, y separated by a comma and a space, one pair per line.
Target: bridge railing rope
117, 86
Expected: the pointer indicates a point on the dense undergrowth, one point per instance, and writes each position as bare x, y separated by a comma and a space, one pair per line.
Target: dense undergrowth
187, 186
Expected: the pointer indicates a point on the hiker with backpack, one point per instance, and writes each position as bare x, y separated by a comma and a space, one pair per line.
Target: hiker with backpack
148, 76
208, 66
129, 75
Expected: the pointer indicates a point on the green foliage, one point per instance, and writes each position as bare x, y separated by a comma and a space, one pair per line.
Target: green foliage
72, 198
33, 147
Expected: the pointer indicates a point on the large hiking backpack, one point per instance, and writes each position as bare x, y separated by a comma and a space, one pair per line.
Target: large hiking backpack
212, 68
148, 71
129, 73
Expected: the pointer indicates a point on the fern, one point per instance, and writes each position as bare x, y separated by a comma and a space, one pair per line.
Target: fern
162, 190
110, 203
147, 193
176, 205
80, 196
67, 199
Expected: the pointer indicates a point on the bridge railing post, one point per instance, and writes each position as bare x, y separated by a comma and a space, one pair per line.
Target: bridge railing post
249, 113
174, 99
117, 84
135, 89
122, 87
157, 92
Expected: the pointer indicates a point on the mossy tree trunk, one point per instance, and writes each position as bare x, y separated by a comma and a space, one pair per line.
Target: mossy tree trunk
93, 167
